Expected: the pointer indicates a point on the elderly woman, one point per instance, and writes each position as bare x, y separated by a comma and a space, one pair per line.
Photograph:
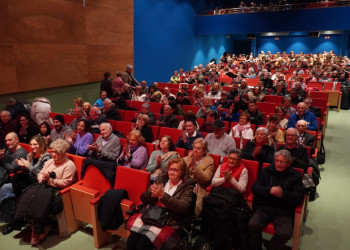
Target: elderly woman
160, 158
243, 129
259, 148
233, 114
232, 173
172, 190
77, 102
30, 168
201, 167
205, 108
189, 135
80, 142
256, 95
134, 154
276, 135
25, 128
142, 125
58, 172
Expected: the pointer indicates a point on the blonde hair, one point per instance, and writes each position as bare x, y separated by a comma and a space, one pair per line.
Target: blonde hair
140, 139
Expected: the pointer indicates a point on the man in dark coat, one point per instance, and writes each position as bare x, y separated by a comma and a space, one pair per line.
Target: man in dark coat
277, 192
106, 85
109, 111
257, 117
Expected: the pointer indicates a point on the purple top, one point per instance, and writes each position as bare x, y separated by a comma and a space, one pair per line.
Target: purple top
80, 146
138, 160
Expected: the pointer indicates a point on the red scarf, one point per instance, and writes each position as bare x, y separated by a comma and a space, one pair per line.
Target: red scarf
236, 173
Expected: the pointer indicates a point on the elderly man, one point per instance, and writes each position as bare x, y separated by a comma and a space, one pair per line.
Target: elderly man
305, 139
110, 112
168, 119
107, 146
145, 109
315, 110
99, 101
257, 117
298, 152
79, 114
166, 96
96, 119
8, 157
7, 125
303, 114
277, 191
220, 143
268, 83
40, 110
61, 129
129, 78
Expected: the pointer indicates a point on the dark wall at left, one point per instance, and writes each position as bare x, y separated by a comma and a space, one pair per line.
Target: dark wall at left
54, 43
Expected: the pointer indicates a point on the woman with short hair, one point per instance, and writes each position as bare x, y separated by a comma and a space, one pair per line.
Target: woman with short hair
134, 154
142, 125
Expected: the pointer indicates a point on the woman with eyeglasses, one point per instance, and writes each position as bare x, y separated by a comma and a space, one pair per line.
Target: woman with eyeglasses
173, 190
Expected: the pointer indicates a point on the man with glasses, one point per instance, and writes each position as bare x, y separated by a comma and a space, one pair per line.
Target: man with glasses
298, 152
277, 191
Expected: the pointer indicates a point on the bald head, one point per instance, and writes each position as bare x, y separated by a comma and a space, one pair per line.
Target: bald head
5, 116
12, 141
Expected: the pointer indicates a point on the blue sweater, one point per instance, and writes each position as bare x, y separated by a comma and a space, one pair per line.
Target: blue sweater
309, 117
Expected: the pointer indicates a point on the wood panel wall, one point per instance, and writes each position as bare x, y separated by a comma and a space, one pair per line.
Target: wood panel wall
52, 43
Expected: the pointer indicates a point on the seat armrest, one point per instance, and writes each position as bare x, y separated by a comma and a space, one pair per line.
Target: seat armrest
299, 209
314, 156
65, 190
126, 205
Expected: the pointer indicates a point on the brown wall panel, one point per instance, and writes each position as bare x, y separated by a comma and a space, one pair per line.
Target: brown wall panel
50, 65
56, 43
112, 58
8, 77
49, 21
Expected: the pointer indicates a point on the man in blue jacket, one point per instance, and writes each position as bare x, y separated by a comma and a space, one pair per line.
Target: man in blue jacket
303, 114
277, 192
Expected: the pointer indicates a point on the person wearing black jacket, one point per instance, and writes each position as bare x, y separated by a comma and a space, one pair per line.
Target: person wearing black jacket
106, 85
109, 111
257, 117
277, 191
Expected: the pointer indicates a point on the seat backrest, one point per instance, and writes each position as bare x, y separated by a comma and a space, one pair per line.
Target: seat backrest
155, 131
78, 162
155, 107
136, 104
26, 147
266, 107
319, 102
273, 99
95, 180
216, 159
174, 133
129, 115
181, 151
134, 181
253, 168
194, 109
150, 148
318, 94
123, 127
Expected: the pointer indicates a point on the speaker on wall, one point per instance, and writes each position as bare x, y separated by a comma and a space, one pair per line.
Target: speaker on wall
314, 34
251, 36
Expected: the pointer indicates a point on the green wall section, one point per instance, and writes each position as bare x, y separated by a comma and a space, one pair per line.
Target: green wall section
61, 98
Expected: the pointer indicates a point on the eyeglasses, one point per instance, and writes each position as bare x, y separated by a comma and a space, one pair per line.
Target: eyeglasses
176, 170
291, 135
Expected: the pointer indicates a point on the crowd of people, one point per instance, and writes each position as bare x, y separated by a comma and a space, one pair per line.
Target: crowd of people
278, 140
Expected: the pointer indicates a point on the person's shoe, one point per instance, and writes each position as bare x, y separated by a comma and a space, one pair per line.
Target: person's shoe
37, 239
10, 228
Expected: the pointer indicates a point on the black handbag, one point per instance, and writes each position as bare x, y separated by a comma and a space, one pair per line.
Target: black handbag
154, 215
309, 186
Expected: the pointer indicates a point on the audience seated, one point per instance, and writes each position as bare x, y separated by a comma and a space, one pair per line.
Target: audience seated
223, 103
313, 109
80, 141
25, 128
207, 125
60, 128
277, 192
36, 203
304, 114
232, 114
159, 159
256, 117
7, 125
215, 91
79, 114
134, 154
31, 166
107, 146
256, 95
181, 99
189, 135
96, 119
166, 95
259, 148
205, 108
110, 112
201, 168
298, 152
45, 132
168, 119
188, 115
142, 125
243, 129
145, 109
99, 102
288, 108
305, 139
220, 143
8, 157
276, 135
